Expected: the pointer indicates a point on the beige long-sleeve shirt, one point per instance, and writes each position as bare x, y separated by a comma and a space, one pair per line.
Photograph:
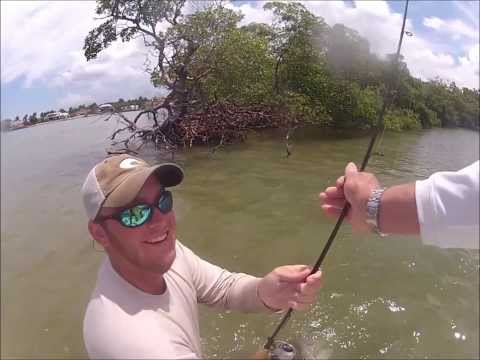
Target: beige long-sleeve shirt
123, 322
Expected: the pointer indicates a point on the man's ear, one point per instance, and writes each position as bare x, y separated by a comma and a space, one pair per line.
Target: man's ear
98, 233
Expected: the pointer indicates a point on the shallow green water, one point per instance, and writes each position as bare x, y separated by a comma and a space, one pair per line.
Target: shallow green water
247, 208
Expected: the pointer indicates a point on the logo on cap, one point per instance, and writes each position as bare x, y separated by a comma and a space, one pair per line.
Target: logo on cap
130, 163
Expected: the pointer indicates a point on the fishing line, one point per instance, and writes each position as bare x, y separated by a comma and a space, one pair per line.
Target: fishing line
268, 345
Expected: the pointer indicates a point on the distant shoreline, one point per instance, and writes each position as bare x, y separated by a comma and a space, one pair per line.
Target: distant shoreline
50, 121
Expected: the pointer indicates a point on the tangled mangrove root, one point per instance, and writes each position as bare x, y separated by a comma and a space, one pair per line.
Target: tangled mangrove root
216, 125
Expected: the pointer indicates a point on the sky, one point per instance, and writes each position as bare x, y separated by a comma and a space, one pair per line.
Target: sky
43, 67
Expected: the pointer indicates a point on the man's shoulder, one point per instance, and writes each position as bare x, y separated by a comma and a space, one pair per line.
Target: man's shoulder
184, 256
182, 248
183, 265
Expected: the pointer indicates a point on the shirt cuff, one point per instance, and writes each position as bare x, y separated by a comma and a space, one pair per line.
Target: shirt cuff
245, 296
425, 210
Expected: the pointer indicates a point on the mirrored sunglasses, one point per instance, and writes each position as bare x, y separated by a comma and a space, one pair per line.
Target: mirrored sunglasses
140, 214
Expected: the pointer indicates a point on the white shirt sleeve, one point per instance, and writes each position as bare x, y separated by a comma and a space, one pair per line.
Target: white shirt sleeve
448, 208
217, 287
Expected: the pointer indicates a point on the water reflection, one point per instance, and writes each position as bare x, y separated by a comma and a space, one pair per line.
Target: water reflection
250, 209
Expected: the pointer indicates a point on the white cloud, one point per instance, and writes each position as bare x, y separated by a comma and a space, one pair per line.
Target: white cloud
252, 12
38, 36
74, 99
372, 19
433, 22
42, 43
454, 28
118, 72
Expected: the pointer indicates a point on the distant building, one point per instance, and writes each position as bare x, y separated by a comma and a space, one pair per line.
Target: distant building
130, 107
83, 112
57, 115
106, 107
154, 102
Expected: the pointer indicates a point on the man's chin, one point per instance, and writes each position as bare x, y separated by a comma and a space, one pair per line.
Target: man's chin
166, 264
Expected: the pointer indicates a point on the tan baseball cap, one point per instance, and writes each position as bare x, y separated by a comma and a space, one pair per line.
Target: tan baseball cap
116, 181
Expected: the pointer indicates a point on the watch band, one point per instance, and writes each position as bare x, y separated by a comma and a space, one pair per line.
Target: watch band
373, 206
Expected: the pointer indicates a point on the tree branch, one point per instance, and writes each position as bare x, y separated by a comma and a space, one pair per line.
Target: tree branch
136, 22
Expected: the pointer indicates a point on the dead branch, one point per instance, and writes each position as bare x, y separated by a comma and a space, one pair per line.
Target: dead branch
288, 147
221, 124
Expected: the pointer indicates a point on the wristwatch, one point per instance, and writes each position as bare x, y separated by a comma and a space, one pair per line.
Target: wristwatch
373, 206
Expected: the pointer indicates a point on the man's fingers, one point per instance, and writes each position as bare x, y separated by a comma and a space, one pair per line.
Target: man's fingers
305, 299
336, 203
296, 305
340, 182
312, 284
293, 304
350, 169
316, 277
334, 192
335, 211
308, 291
292, 273
331, 211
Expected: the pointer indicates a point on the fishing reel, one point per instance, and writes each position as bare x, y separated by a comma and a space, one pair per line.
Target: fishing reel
282, 350
279, 350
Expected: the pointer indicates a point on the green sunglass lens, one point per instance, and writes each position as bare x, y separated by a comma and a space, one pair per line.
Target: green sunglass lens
135, 216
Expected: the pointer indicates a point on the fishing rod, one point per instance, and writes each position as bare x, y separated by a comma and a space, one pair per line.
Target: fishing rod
268, 345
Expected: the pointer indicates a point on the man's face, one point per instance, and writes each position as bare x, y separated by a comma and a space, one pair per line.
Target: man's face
149, 247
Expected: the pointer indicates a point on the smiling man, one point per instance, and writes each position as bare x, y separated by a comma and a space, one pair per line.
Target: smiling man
145, 301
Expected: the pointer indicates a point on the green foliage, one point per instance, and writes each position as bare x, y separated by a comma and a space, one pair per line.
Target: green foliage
452, 106
296, 41
368, 106
352, 107
401, 119
427, 117
320, 74
242, 71
305, 109
99, 38
127, 18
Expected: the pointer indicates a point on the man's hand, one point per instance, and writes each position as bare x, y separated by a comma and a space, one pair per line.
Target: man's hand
356, 189
289, 286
